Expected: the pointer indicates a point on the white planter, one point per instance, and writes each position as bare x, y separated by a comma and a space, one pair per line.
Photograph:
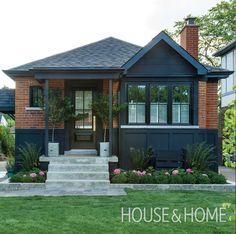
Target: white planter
53, 149
104, 149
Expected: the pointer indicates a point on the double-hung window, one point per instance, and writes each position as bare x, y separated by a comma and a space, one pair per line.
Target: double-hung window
159, 103
36, 95
137, 103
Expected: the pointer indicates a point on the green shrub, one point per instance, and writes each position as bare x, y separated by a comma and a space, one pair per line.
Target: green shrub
218, 179
119, 179
202, 178
25, 177
7, 142
30, 156
176, 179
189, 179
140, 159
147, 179
132, 177
162, 179
199, 156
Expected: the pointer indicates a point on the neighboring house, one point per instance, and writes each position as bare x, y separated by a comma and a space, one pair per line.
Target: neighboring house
228, 61
172, 98
3, 121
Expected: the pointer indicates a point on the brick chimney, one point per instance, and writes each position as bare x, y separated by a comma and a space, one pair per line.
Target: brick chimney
189, 37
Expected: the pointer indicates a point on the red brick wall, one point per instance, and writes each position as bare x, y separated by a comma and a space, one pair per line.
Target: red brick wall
189, 39
28, 118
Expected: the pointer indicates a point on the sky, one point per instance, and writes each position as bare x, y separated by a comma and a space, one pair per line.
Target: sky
31, 30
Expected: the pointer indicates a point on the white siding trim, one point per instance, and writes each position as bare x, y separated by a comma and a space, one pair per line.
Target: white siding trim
159, 126
33, 109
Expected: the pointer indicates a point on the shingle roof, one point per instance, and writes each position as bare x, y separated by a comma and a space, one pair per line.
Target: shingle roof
226, 49
7, 100
107, 53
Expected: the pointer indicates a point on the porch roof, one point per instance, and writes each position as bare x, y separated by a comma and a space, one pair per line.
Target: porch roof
7, 101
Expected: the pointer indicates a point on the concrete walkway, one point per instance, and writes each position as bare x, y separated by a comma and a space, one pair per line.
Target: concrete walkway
228, 172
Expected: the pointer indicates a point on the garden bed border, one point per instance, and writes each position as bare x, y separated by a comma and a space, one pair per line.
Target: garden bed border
206, 187
21, 186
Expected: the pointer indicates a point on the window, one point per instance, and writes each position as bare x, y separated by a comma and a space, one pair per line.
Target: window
36, 95
158, 104
136, 103
180, 104
83, 111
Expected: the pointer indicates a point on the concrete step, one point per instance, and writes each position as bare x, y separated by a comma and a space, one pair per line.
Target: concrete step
54, 167
78, 160
77, 175
81, 152
77, 184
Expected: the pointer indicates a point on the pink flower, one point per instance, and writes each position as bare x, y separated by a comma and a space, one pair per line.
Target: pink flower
189, 170
175, 172
41, 173
117, 171
33, 174
167, 173
141, 173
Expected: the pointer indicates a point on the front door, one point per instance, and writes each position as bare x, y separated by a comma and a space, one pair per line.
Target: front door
84, 127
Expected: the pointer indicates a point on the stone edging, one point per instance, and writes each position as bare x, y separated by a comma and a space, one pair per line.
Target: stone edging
207, 187
21, 186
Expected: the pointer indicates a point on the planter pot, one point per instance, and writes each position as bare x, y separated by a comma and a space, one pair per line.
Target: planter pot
104, 149
53, 149
10, 172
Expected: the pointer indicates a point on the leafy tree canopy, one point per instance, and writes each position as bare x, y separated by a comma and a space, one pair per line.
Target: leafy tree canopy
216, 29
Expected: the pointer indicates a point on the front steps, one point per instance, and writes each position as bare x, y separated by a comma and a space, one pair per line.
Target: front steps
78, 173
81, 152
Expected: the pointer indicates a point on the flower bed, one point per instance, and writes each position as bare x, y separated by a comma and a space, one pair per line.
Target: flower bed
34, 176
174, 176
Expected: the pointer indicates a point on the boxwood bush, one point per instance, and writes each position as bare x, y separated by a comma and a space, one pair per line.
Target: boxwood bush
175, 176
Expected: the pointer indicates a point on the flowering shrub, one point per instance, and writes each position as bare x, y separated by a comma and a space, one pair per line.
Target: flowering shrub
35, 176
176, 176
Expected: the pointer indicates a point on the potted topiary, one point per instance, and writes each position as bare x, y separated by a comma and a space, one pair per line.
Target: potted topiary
100, 108
10, 165
60, 109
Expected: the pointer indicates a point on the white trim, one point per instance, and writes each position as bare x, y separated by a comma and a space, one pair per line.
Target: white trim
159, 126
33, 109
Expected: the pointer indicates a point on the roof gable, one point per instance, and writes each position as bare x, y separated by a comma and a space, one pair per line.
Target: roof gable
201, 70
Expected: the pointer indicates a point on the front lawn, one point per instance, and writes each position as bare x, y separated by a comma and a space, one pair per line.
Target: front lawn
103, 214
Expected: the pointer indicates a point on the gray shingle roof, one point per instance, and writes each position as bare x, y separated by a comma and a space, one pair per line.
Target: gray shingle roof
7, 100
107, 53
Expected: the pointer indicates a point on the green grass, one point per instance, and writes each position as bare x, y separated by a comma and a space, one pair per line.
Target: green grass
103, 214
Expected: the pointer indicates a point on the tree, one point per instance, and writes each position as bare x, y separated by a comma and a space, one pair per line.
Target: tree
217, 28
60, 109
100, 107
229, 130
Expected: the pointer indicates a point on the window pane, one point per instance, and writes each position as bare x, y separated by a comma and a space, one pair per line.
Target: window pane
88, 119
87, 99
79, 123
137, 102
36, 96
159, 97
180, 104
79, 100
184, 113
140, 113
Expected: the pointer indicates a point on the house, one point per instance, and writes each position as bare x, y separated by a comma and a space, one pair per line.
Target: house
228, 61
171, 96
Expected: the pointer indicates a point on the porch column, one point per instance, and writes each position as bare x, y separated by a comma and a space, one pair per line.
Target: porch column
46, 117
110, 118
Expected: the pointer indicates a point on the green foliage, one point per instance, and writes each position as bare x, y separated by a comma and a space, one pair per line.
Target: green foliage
30, 156
230, 164
177, 179
7, 142
229, 131
60, 108
162, 179
217, 28
119, 179
10, 163
26, 177
100, 107
216, 178
189, 179
140, 159
199, 156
